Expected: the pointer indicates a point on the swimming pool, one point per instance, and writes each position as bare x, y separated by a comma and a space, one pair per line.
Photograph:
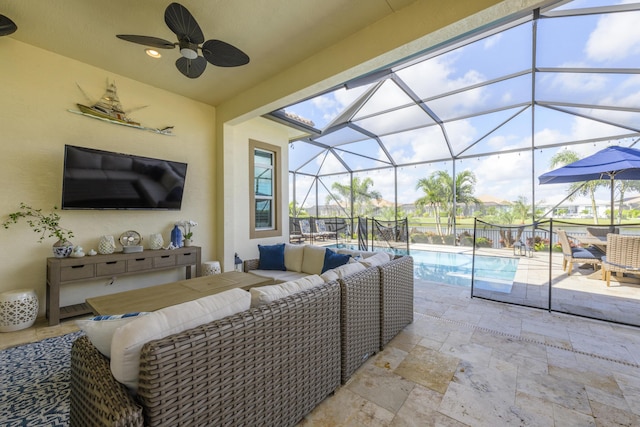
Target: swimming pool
452, 268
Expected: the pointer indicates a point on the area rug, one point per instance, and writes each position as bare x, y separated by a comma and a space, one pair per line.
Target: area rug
34, 382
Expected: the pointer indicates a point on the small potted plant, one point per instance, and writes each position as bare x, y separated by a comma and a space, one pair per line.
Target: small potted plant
48, 225
187, 225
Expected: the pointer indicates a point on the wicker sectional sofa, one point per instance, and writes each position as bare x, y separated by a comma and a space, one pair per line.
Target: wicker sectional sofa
376, 304
268, 365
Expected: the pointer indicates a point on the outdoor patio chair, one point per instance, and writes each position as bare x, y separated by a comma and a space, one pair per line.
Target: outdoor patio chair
572, 255
295, 235
602, 231
323, 232
623, 256
305, 229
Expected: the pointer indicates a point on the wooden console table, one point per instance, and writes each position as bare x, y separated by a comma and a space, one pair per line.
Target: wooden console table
61, 271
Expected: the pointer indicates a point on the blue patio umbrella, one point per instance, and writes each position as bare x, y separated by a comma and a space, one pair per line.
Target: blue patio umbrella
611, 163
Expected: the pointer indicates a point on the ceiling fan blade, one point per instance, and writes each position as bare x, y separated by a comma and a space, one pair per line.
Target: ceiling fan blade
191, 68
223, 54
7, 26
147, 41
181, 22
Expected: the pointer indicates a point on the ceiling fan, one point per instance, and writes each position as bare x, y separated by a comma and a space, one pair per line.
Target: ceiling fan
7, 26
190, 40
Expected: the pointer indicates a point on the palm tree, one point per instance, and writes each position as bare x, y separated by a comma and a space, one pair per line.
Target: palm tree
434, 197
587, 188
362, 194
439, 194
521, 209
623, 186
296, 210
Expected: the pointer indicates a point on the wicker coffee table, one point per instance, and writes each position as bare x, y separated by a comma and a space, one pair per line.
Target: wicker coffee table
156, 297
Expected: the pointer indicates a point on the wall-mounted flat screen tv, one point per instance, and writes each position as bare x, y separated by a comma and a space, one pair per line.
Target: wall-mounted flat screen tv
96, 179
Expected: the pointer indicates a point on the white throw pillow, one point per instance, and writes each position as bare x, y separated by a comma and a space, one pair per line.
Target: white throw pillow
129, 339
342, 271
347, 269
377, 259
293, 255
266, 294
313, 259
100, 329
356, 253
329, 275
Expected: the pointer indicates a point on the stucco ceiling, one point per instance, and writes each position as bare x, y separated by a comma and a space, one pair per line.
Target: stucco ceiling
276, 34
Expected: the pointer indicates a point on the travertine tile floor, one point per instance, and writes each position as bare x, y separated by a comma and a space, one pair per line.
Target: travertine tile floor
473, 362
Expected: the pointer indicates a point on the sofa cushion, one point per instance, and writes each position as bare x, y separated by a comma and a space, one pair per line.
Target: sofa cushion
129, 338
265, 294
100, 329
355, 253
313, 259
377, 259
333, 260
279, 276
342, 271
293, 255
271, 257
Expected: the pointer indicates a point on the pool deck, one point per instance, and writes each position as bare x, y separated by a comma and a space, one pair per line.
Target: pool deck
582, 293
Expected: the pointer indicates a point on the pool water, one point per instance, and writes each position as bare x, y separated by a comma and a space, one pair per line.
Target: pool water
490, 273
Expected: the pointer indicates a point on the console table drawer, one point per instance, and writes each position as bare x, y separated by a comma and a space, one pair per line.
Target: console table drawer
188, 258
75, 272
138, 264
164, 261
110, 267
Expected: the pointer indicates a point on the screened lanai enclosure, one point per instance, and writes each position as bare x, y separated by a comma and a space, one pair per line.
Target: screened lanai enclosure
457, 136
495, 109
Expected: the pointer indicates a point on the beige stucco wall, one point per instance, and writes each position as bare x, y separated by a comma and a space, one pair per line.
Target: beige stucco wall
37, 89
236, 206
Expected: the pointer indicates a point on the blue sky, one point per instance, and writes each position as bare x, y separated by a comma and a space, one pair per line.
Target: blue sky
600, 41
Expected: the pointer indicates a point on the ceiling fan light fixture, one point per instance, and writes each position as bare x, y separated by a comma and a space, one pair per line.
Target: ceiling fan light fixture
188, 53
188, 50
153, 53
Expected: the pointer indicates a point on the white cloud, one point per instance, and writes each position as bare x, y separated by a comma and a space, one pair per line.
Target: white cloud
489, 42
616, 37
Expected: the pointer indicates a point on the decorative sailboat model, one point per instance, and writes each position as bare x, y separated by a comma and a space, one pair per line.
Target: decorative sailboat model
108, 108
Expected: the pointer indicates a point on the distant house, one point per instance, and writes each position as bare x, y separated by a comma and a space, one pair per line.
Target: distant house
487, 203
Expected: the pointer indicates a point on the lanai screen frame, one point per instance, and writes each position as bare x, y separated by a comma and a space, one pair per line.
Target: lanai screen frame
347, 121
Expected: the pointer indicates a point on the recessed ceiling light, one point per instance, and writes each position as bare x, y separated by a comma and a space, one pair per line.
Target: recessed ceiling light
153, 53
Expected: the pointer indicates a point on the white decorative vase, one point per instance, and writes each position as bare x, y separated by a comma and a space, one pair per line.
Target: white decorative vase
187, 243
156, 241
62, 249
107, 245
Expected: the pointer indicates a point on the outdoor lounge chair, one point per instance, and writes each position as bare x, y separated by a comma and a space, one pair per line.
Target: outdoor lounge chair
323, 232
305, 229
295, 235
623, 256
571, 255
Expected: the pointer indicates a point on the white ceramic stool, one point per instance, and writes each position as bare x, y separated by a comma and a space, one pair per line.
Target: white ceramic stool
210, 268
18, 309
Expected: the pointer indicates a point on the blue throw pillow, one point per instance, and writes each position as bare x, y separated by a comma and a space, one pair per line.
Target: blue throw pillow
333, 260
271, 257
